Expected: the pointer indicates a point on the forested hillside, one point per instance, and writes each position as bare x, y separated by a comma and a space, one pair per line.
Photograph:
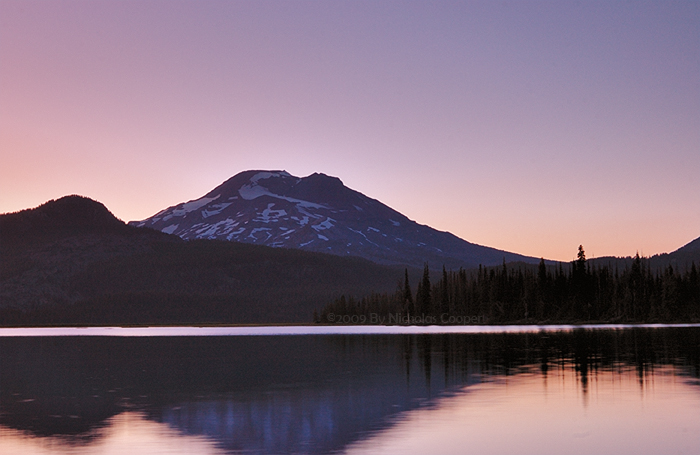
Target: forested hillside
619, 290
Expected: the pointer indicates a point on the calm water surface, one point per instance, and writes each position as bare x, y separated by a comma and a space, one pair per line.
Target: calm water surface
627, 390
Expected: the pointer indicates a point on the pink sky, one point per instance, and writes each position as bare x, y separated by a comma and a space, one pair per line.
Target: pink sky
531, 127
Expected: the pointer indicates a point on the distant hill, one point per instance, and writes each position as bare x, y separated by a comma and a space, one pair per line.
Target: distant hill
68, 215
71, 261
318, 213
681, 259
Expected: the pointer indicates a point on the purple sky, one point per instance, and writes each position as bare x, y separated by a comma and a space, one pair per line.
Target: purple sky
527, 126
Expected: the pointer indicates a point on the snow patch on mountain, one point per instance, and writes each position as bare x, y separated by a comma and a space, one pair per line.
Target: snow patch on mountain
268, 214
222, 227
267, 175
191, 206
363, 235
215, 209
170, 229
323, 225
235, 233
256, 230
253, 191
303, 221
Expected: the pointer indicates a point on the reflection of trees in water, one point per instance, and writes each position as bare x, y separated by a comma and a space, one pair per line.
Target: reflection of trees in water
303, 393
587, 352
453, 360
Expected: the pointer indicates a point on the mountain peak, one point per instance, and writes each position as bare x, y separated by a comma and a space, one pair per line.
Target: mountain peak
70, 214
317, 213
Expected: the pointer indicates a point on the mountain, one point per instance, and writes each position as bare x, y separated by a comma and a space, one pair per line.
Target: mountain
693, 246
681, 259
318, 213
70, 261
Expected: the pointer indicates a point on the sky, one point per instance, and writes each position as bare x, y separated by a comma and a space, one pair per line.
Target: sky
527, 126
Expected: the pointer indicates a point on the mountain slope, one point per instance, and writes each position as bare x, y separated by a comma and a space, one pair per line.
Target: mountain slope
317, 213
681, 259
693, 246
71, 261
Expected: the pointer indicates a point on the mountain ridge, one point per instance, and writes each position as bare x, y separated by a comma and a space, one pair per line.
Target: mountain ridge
693, 245
318, 213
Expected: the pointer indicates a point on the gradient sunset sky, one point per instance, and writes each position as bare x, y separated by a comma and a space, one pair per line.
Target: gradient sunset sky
527, 126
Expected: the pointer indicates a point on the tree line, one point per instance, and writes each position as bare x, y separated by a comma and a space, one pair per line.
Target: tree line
580, 291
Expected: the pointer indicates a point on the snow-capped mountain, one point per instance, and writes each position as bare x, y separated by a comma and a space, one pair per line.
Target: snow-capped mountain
317, 213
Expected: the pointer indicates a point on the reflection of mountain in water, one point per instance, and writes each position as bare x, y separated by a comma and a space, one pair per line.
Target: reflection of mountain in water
127, 432
323, 414
309, 394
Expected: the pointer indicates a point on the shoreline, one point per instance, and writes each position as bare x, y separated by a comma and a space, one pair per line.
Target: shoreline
316, 329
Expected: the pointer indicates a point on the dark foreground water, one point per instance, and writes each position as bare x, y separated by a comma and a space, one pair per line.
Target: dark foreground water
618, 391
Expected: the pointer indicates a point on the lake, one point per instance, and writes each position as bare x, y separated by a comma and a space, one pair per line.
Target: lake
400, 390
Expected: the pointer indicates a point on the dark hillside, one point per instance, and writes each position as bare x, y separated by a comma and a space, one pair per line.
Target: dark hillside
67, 216
70, 261
691, 246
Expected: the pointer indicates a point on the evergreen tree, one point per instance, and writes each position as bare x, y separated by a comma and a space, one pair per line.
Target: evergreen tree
542, 274
581, 256
407, 294
419, 305
423, 296
444, 292
635, 288
542, 293
580, 285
